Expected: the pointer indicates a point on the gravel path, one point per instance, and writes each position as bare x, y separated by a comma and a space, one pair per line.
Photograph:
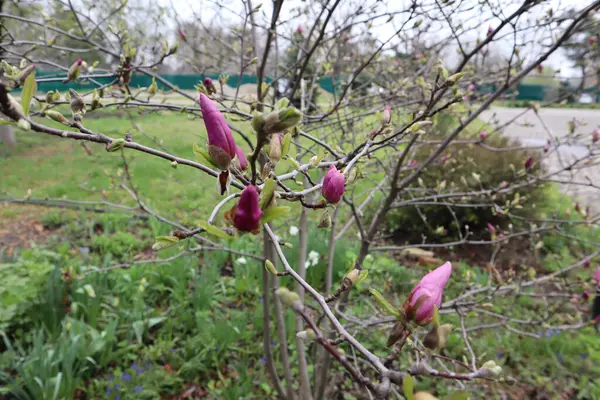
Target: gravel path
530, 131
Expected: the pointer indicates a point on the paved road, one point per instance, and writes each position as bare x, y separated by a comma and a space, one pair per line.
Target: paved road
529, 130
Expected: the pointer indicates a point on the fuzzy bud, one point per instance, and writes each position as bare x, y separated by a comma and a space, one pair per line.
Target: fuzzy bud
269, 266
482, 135
275, 148
325, 221
281, 120
437, 337
386, 116
56, 116
289, 298
77, 103
115, 145
307, 335
209, 85
25, 73
427, 295
452, 79
258, 121
333, 185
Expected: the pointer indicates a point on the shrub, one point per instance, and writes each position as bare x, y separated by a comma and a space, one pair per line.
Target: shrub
465, 168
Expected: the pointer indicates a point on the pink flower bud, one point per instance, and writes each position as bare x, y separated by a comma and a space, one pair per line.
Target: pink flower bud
586, 263
427, 294
181, 34
221, 145
529, 162
333, 185
471, 87
247, 213
546, 148
597, 276
482, 135
412, 163
209, 85
491, 228
490, 31
540, 68
241, 157
585, 295
299, 29
595, 135
346, 38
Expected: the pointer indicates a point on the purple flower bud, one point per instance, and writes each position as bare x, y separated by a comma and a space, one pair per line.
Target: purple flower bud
529, 162
247, 213
540, 68
595, 135
333, 185
412, 163
209, 85
586, 263
491, 228
299, 29
426, 295
586, 295
221, 145
471, 87
490, 31
482, 135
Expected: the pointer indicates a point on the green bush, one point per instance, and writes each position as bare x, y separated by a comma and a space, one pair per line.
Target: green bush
462, 169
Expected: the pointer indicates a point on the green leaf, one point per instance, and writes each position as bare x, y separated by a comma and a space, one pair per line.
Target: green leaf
363, 275
162, 242
6, 122
267, 193
205, 157
272, 213
57, 386
408, 386
29, 88
89, 289
383, 303
155, 321
213, 230
285, 144
138, 329
436, 316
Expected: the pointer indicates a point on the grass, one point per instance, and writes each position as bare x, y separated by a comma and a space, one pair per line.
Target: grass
193, 326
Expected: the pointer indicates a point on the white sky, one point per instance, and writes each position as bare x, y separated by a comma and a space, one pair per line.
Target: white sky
209, 10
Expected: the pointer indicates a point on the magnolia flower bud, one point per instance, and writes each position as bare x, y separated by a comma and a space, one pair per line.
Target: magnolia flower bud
115, 145
221, 145
281, 120
209, 85
452, 79
333, 185
325, 221
386, 116
77, 103
74, 70
23, 124
269, 266
153, 88
289, 298
529, 163
275, 148
427, 295
240, 158
258, 121
247, 212
482, 135
595, 135
437, 337
25, 73
307, 335
56, 116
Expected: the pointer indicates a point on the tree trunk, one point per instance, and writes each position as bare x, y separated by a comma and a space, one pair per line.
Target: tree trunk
7, 136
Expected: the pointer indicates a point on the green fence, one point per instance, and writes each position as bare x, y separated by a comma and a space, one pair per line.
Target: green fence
528, 92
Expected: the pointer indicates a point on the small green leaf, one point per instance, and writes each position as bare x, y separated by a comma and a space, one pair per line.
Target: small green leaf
363, 275
266, 195
29, 88
387, 307
138, 329
155, 321
203, 154
408, 386
213, 230
272, 213
89, 289
436, 316
285, 144
6, 122
162, 242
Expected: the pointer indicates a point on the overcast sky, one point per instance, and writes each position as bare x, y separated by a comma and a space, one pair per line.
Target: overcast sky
208, 10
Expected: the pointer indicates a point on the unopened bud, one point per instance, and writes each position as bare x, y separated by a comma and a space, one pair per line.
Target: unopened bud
289, 298
386, 116
279, 121
325, 221
258, 121
275, 148
25, 73
307, 335
174, 164
77, 104
24, 124
452, 79
269, 266
56, 116
115, 145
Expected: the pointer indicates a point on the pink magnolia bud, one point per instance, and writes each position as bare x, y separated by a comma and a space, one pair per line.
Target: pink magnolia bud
181, 34
241, 157
596, 276
209, 85
412, 163
333, 185
529, 162
471, 87
74, 70
540, 68
595, 135
427, 294
346, 38
299, 29
221, 145
585, 295
586, 263
490, 31
482, 135
491, 228
247, 213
